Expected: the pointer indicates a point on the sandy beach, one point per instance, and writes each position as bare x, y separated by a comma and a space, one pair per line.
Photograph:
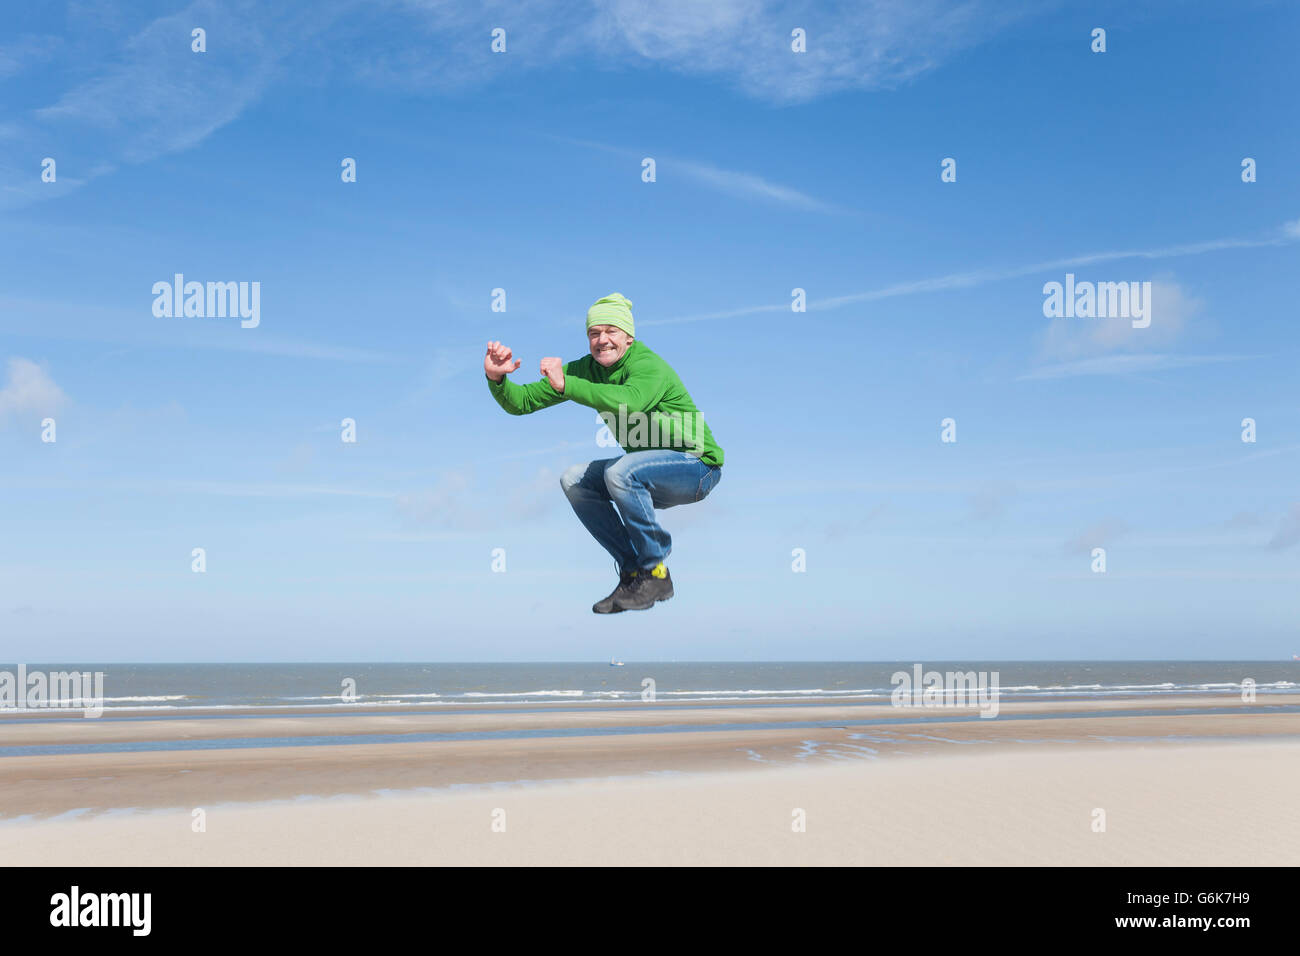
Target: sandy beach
1205, 781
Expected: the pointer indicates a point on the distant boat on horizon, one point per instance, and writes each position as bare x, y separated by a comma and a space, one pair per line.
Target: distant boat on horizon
614, 663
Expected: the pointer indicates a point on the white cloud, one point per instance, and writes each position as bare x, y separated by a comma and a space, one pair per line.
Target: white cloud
1074, 338
29, 391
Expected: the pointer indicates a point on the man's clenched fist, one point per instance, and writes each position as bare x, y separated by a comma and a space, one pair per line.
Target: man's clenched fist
553, 369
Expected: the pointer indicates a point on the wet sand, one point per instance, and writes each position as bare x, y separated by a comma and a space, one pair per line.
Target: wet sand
1192, 780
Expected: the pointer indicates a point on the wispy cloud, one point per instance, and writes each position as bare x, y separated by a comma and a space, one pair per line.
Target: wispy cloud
448, 505
224, 489
457, 503
978, 277
21, 52
845, 526
139, 329
1100, 535
548, 450
447, 364
991, 500
1127, 364
851, 45
733, 182
1288, 532
538, 496
235, 489
308, 350
1242, 520
748, 186
153, 94
746, 44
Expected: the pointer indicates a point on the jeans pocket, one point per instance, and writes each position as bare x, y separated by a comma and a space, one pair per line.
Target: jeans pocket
707, 483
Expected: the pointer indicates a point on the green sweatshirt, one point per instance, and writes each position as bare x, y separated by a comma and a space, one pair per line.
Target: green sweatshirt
640, 398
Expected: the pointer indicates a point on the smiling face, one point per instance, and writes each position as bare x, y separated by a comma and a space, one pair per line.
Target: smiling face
608, 343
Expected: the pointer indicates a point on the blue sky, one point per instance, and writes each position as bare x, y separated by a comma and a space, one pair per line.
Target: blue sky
774, 171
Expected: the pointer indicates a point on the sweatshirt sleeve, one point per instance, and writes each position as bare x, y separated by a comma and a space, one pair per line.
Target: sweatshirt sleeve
645, 389
524, 399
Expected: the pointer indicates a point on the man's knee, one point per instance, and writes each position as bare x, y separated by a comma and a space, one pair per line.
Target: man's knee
573, 476
617, 476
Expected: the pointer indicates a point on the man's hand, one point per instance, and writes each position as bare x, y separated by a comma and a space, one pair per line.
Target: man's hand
553, 369
498, 362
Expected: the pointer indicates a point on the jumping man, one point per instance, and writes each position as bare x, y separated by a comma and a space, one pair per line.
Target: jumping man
671, 457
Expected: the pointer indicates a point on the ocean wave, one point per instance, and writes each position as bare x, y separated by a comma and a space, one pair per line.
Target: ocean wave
815, 690
523, 693
357, 696
55, 702
176, 702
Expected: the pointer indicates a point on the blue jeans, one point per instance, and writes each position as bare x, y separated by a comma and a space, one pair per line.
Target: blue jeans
616, 498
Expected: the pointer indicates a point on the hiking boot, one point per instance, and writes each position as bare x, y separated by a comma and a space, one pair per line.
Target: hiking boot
607, 605
646, 588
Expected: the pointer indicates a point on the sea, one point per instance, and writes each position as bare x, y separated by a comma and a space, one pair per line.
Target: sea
290, 686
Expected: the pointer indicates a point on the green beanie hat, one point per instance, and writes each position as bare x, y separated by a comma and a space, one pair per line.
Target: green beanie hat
614, 310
